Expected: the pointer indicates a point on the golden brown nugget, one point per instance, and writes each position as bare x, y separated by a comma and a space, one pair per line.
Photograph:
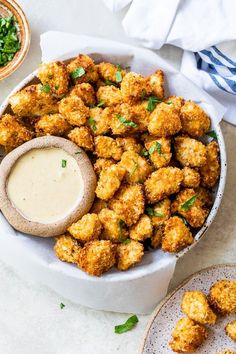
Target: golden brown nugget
159, 212
142, 229
190, 152
82, 69
210, 172
162, 183
74, 109
140, 115
223, 296
114, 228
110, 95
195, 121
33, 101
134, 86
176, 235
129, 144
86, 229
97, 257
159, 151
101, 164
128, 203
67, 248
164, 120
190, 207
98, 121
55, 76
187, 336
227, 351
191, 178
156, 81
12, 132
121, 119
137, 167
109, 181
107, 148
157, 235
230, 330
205, 196
176, 101
52, 124
86, 92
108, 71
129, 253
82, 137
195, 306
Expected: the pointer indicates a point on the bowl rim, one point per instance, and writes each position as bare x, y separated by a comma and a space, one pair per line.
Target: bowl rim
149, 268
14, 65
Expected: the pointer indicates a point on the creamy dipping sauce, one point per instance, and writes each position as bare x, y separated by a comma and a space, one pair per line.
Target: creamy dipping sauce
45, 185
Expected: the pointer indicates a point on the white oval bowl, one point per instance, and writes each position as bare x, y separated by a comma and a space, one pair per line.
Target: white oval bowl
135, 290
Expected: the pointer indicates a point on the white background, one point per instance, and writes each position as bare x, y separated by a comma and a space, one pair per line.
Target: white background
31, 321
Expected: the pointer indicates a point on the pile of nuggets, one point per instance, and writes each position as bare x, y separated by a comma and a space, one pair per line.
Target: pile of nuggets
155, 177
201, 310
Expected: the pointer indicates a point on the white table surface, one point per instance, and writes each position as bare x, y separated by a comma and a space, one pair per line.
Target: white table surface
31, 321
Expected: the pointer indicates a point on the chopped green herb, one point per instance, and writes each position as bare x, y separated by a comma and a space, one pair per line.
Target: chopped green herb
151, 212
101, 103
9, 41
77, 73
155, 147
118, 73
152, 102
127, 241
127, 326
144, 152
62, 305
121, 223
181, 217
50, 77
143, 95
63, 163
136, 166
92, 124
45, 88
212, 134
187, 205
56, 87
109, 83
127, 67
78, 152
126, 122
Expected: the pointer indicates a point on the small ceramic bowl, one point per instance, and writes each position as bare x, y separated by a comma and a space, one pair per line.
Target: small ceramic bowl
7, 8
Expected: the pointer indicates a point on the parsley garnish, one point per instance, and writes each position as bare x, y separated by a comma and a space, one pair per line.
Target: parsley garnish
118, 73
56, 87
62, 305
187, 205
152, 102
181, 217
212, 134
155, 147
101, 103
151, 212
136, 166
45, 88
126, 122
144, 152
9, 41
127, 326
127, 241
63, 163
92, 124
77, 73
109, 83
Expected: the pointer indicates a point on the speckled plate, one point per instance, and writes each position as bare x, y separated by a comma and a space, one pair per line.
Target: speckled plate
158, 332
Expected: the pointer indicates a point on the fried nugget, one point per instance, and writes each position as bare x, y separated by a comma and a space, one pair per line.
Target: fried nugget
190, 207
52, 124
55, 76
110, 95
162, 183
108, 71
67, 248
74, 109
82, 137
159, 151
230, 330
109, 181
195, 121
97, 257
82, 69
33, 101
157, 236
210, 172
98, 121
86, 92
134, 86
101, 164
190, 152
156, 81
128, 254
140, 116
137, 168
159, 212
142, 229
128, 203
86, 229
191, 178
187, 336
164, 120
129, 144
195, 306
121, 119
12, 132
223, 296
205, 196
114, 228
107, 148
176, 235
176, 101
